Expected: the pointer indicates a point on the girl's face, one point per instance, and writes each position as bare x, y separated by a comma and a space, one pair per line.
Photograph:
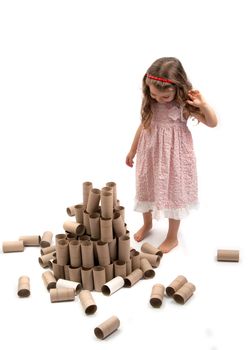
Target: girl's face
163, 96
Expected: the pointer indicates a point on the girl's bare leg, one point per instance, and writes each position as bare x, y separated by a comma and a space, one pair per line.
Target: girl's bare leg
144, 230
171, 239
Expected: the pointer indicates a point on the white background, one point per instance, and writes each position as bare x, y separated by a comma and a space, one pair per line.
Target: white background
70, 90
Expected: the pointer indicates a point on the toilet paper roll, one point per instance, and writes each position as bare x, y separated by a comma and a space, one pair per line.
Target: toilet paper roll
103, 253
157, 295
106, 204
23, 286
87, 186
93, 201
124, 248
147, 269
30, 240
46, 260
12, 246
118, 225
109, 273
107, 328
87, 302
58, 270
66, 273
79, 213
114, 191
133, 278
150, 249
62, 283
184, 293
87, 253
62, 252
59, 236
121, 210
119, 268
48, 250
74, 227
154, 260
98, 277
106, 231
175, 285
49, 280
87, 224
75, 274
87, 278
113, 285
71, 236
228, 255
94, 221
135, 257
46, 239
113, 249
75, 253
62, 294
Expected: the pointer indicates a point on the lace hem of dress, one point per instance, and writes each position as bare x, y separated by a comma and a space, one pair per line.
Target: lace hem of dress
170, 213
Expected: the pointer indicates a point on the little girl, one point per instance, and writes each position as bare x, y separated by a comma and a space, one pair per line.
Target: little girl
166, 180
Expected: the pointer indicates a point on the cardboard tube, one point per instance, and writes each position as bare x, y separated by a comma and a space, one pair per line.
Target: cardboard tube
74, 227
60, 236
84, 238
87, 223
103, 253
119, 268
133, 278
30, 240
93, 201
75, 253
157, 295
106, 205
128, 267
49, 280
109, 274
150, 249
87, 253
184, 293
118, 225
23, 287
87, 278
228, 255
71, 236
121, 210
62, 252
135, 256
106, 328
114, 191
146, 267
48, 250
62, 294
87, 302
61, 283
58, 270
175, 285
71, 210
113, 285
94, 242
106, 232
45, 260
113, 249
154, 260
79, 213
94, 221
46, 239
98, 277
87, 186
75, 274
124, 248
66, 272
13, 246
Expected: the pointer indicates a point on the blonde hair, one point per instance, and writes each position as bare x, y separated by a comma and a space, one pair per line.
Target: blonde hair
167, 68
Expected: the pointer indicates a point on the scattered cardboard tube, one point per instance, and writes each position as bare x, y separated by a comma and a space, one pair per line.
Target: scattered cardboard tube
118, 225
98, 277
48, 250
75, 274
147, 269
87, 223
114, 191
175, 285
62, 294
45, 260
87, 253
87, 278
150, 249
106, 205
71, 210
119, 268
106, 328
109, 274
60, 236
58, 270
184, 293
121, 210
87, 302
113, 249
87, 186
62, 283
62, 252
153, 259
94, 221
29, 241
93, 201
74, 227
157, 295
228, 255
46, 239
135, 257
124, 248
106, 232
103, 253
49, 280
23, 287
113, 285
133, 278
75, 253
79, 213
13, 246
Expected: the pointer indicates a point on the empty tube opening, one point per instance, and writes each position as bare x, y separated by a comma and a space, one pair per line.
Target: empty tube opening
78, 289
105, 290
149, 274
91, 309
80, 229
128, 283
74, 242
23, 293
170, 291
155, 302
98, 332
178, 298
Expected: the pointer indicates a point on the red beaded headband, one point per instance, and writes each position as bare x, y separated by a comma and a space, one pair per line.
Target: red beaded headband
159, 79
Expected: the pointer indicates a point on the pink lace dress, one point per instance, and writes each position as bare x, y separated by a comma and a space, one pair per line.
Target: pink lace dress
166, 179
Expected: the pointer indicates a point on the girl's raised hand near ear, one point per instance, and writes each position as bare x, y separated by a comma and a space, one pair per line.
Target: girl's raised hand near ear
195, 98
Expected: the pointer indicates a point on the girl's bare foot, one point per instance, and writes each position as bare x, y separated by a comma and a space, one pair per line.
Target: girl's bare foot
168, 244
142, 233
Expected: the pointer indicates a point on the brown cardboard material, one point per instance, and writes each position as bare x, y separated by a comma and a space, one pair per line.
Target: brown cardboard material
62, 252
113, 285
135, 257
61, 283
87, 186
59, 236
45, 260
79, 213
84, 238
23, 287
87, 278
107, 328
49, 280
157, 295
12, 246
66, 272
74, 227
98, 277
93, 201
133, 278
94, 221
71, 210
103, 253
175, 285
94, 242
113, 249
184, 293
87, 302
109, 273
62, 294
106, 205
48, 250
121, 210
124, 248
114, 191
87, 224
150, 249
128, 267
75, 274
228, 255
87, 253
46, 239
147, 269
30, 241
58, 270
106, 232
154, 260
119, 268
118, 225
71, 236
75, 253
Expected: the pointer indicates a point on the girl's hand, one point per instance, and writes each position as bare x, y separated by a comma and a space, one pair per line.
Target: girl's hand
195, 98
129, 160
